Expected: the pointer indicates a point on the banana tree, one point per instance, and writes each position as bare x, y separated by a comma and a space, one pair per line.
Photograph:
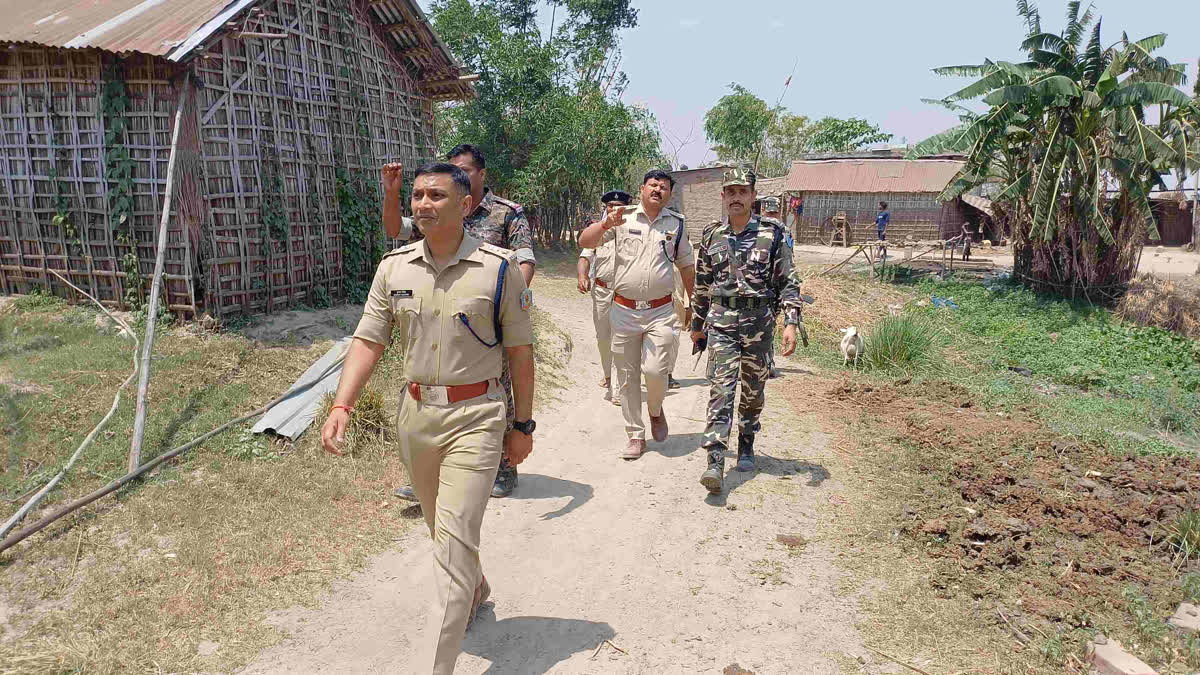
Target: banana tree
1076, 136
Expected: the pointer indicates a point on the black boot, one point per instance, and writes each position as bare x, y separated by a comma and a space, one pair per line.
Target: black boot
715, 473
745, 461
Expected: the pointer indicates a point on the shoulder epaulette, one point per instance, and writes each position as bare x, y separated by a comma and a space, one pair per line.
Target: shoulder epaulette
505, 202
397, 251
496, 250
675, 213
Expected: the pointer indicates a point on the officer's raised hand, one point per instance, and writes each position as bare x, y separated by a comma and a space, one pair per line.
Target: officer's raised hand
789, 339
392, 177
613, 218
518, 446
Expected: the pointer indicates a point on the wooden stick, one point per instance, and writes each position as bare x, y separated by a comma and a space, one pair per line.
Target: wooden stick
120, 482
839, 265
41, 494
139, 420
896, 660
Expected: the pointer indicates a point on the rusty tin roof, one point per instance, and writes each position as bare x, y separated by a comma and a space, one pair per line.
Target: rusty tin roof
871, 175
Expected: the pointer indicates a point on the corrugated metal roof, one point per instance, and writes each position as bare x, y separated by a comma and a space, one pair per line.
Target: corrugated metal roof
148, 26
291, 416
982, 203
174, 28
872, 175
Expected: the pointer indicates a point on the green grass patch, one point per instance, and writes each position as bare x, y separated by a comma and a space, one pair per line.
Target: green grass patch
1087, 373
900, 343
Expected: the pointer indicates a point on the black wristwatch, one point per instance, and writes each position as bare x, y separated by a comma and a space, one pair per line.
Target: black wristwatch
525, 427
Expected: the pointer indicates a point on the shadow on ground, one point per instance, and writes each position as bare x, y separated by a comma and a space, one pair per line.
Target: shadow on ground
771, 466
535, 486
530, 644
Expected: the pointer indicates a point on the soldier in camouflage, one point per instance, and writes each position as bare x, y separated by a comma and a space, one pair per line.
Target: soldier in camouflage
743, 269
494, 221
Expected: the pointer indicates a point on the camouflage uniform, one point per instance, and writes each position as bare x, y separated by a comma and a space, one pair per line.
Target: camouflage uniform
502, 223
739, 279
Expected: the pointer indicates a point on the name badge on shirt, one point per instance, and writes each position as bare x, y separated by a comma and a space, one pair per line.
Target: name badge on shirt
403, 293
633, 231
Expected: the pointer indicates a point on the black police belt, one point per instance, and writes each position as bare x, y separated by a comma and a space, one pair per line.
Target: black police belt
742, 302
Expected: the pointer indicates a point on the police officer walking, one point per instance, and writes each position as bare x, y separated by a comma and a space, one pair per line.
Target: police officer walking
649, 239
459, 303
742, 270
494, 221
595, 275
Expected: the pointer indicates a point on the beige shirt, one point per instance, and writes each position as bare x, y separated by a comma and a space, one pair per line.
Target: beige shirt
642, 266
601, 262
425, 303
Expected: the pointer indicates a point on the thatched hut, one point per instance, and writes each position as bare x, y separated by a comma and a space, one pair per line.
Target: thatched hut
288, 109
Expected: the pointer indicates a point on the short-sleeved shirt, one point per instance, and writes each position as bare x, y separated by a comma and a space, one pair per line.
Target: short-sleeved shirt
426, 305
601, 261
645, 252
882, 219
502, 223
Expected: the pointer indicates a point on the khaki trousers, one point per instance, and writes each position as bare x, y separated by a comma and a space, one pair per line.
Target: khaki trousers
679, 330
641, 347
452, 453
602, 302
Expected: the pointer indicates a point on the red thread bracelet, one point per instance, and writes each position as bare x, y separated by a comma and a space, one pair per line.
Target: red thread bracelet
347, 408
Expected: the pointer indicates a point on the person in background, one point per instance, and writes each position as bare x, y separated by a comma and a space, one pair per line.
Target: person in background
595, 274
882, 219
649, 239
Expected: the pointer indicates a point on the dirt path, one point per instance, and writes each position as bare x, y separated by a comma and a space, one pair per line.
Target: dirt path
593, 548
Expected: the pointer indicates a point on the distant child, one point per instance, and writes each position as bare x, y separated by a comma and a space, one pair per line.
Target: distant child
967, 234
881, 220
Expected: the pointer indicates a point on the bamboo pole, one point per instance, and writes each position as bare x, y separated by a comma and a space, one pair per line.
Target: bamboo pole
115, 485
139, 420
37, 498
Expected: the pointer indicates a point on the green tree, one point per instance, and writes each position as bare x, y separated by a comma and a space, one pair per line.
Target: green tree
548, 114
830, 134
735, 125
1068, 139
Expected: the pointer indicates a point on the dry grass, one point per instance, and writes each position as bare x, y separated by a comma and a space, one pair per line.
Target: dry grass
180, 572
1172, 305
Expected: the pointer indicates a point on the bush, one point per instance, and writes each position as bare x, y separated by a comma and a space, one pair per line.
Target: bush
368, 422
1169, 305
902, 342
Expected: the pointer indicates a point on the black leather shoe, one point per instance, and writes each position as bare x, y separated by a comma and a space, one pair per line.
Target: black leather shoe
506, 481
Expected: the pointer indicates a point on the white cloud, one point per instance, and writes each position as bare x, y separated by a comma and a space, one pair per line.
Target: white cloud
689, 23
776, 24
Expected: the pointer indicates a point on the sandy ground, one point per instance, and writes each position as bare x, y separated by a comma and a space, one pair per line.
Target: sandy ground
1166, 262
593, 548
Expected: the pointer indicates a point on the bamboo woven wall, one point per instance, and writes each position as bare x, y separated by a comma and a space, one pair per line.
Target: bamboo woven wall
278, 119
918, 215
52, 147
272, 124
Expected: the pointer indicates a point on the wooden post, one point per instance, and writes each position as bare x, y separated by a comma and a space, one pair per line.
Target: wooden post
139, 420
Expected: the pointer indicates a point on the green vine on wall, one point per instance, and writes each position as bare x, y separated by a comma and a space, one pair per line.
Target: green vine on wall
62, 188
118, 172
273, 213
358, 196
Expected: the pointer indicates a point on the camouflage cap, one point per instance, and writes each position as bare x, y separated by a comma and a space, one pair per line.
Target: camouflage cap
738, 175
770, 203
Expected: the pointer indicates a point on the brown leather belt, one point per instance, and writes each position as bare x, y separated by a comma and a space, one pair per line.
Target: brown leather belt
601, 284
455, 393
641, 304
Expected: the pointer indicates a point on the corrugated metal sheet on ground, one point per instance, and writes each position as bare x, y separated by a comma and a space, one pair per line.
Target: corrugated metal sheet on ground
147, 26
291, 416
872, 175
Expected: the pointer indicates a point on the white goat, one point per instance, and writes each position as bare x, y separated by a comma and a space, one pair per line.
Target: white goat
852, 345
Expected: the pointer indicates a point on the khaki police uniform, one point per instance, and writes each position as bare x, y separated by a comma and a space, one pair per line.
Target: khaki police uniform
450, 447
601, 272
644, 256
679, 300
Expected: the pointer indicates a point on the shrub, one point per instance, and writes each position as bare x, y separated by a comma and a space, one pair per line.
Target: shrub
900, 342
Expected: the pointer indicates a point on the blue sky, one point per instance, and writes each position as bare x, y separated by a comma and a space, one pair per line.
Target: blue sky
857, 58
